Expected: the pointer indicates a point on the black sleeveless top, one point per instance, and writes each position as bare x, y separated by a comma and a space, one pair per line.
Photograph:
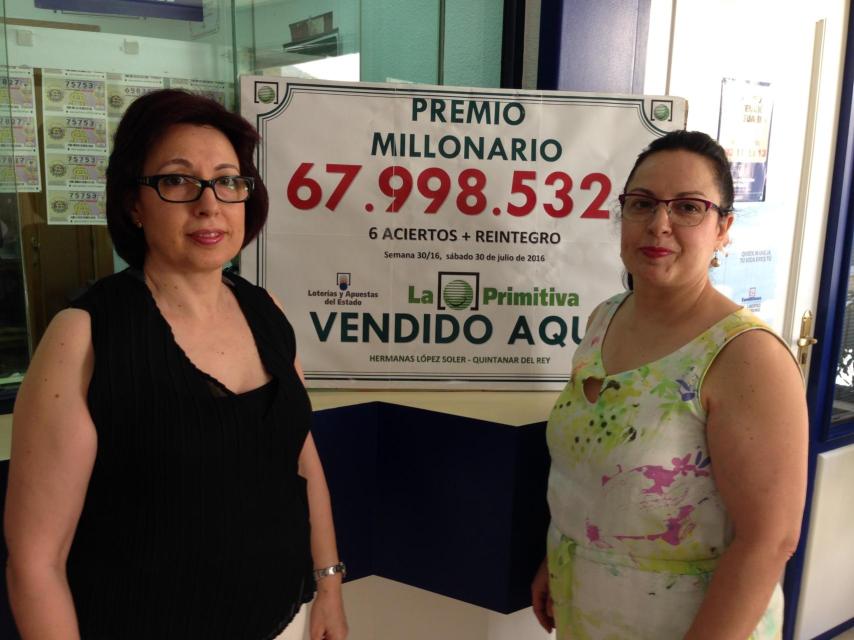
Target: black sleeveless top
195, 523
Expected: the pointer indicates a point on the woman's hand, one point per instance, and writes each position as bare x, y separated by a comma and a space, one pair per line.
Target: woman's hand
541, 597
328, 621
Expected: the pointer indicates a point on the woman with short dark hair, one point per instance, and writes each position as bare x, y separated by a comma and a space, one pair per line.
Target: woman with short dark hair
678, 447
163, 480
141, 127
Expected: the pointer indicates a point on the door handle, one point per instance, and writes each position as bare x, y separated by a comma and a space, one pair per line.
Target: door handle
805, 341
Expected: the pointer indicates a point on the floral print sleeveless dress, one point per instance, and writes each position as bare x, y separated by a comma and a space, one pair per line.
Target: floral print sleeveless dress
637, 523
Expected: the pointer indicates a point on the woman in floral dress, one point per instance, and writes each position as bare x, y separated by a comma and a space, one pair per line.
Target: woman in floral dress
679, 443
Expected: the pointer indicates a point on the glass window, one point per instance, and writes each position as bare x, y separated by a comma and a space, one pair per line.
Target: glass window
69, 72
454, 42
754, 98
14, 345
842, 409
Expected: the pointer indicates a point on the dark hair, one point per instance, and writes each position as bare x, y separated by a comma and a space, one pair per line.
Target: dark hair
141, 127
703, 145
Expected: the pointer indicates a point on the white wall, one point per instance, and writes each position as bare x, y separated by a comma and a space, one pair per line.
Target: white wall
828, 581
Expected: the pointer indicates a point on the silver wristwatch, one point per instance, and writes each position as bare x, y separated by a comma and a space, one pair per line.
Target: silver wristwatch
330, 571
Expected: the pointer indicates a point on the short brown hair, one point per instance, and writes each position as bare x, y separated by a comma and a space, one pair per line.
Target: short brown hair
142, 125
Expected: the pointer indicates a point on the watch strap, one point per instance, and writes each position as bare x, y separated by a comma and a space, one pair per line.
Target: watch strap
325, 572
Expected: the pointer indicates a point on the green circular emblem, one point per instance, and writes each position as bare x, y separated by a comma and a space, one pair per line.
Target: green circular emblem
57, 170
266, 94
116, 101
54, 95
59, 206
57, 133
661, 112
458, 294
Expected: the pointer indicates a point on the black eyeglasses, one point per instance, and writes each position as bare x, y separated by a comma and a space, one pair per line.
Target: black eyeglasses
686, 212
176, 187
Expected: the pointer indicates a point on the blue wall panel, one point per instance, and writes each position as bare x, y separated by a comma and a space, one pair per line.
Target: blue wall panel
347, 441
593, 45
459, 506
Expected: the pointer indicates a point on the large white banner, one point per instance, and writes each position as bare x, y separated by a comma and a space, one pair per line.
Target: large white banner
424, 236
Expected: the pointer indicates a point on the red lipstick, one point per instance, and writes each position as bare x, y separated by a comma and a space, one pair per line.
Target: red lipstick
655, 252
207, 236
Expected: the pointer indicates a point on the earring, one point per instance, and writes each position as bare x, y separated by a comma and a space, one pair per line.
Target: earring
716, 262
138, 224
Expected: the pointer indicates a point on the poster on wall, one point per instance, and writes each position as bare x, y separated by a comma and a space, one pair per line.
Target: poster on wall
750, 266
74, 114
438, 237
744, 131
19, 142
